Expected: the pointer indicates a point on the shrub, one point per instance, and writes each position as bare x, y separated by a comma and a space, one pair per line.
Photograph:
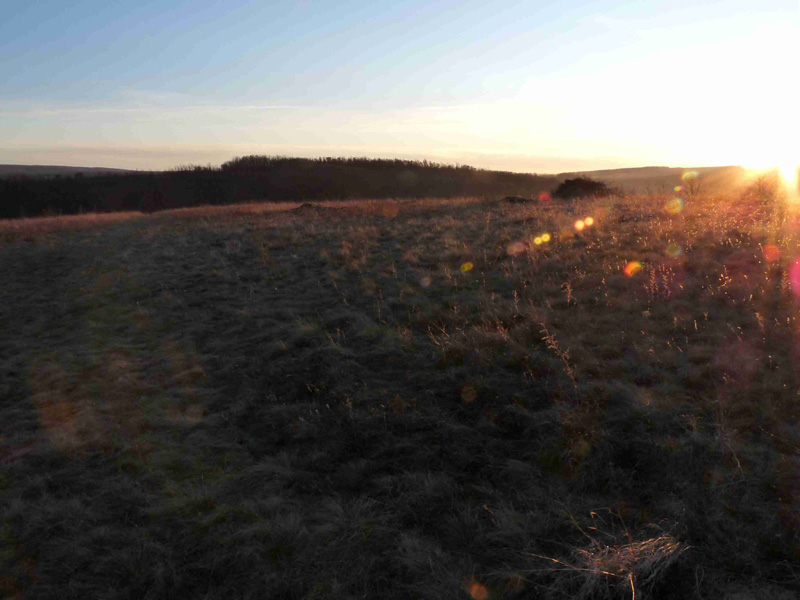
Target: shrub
582, 187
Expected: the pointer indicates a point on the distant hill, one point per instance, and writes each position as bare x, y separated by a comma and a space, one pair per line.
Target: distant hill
664, 179
254, 178
53, 170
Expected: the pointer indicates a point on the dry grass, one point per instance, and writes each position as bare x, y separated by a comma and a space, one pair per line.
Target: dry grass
398, 399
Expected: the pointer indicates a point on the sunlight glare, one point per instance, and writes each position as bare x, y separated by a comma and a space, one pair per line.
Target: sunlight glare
789, 175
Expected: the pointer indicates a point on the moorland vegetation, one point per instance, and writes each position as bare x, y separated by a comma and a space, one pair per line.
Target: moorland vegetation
451, 398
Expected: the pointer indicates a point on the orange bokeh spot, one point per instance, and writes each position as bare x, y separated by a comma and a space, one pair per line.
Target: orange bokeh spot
544, 197
632, 268
467, 266
478, 591
516, 248
771, 253
579, 225
588, 221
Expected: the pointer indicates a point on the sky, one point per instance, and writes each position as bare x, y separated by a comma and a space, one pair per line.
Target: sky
521, 86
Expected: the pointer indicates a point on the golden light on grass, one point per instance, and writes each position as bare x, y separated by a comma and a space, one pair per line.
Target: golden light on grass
632, 268
467, 267
579, 225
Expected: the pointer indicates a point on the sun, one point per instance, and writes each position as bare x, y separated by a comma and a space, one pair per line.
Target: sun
788, 173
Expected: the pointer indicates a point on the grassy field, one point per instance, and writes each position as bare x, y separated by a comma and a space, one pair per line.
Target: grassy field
423, 399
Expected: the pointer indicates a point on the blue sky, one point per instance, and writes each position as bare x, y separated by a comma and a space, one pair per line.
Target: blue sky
529, 86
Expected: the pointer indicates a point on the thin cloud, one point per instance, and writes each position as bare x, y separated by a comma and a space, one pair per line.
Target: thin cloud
155, 110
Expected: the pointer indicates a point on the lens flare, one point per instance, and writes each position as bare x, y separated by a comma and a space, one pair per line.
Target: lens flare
545, 237
469, 394
794, 276
544, 197
466, 267
478, 591
579, 225
674, 250
588, 221
689, 175
677, 189
516, 248
674, 206
632, 268
771, 253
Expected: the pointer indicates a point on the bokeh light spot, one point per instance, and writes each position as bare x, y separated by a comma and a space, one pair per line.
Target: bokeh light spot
677, 189
632, 268
516, 248
545, 237
466, 267
674, 250
579, 225
478, 591
544, 197
588, 221
689, 175
537, 240
794, 276
469, 394
674, 206
771, 253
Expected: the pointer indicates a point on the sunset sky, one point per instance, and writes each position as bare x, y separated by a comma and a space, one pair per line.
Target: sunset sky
523, 86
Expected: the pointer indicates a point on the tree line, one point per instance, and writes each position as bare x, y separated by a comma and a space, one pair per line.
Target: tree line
259, 178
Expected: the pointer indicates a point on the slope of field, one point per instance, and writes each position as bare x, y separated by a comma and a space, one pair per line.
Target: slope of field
428, 399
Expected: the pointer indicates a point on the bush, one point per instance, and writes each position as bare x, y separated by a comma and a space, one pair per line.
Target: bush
581, 187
